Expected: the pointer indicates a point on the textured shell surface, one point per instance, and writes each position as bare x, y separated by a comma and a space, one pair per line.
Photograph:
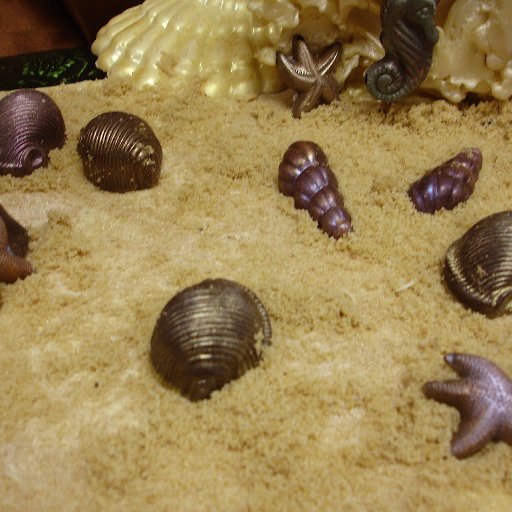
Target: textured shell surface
304, 174
448, 184
297, 158
232, 45
31, 124
120, 152
478, 266
208, 335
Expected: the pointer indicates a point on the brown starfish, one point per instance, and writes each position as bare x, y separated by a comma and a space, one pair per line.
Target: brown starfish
310, 77
484, 399
13, 247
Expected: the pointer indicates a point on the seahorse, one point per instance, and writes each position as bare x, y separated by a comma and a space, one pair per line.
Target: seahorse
408, 36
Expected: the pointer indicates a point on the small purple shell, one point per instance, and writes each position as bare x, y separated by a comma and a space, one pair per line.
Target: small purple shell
31, 125
304, 174
448, 184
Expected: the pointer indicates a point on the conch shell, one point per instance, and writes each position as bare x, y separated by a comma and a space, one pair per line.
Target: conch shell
231, 45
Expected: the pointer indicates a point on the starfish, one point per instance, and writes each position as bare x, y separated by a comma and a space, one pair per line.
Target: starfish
484, 399
13, 246
310, 77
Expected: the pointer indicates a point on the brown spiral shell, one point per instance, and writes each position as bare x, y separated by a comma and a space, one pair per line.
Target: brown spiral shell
303, 174
478, 266
208, 335
13, 248
31, 125
120, 152
448, 184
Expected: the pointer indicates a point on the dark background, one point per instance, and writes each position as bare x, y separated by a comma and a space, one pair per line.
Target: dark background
38, 25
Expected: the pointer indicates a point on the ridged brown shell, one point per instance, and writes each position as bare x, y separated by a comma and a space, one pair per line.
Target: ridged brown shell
209, 334
478, 266
31, 125
120, 152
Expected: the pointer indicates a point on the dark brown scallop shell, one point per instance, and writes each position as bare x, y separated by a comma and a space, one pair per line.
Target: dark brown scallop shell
209, 334
120, 152
478, 266
31, 125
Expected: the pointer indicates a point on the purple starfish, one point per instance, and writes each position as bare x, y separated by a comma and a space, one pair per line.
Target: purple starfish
483, 397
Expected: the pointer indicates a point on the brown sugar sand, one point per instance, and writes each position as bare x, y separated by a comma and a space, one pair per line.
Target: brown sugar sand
334, 418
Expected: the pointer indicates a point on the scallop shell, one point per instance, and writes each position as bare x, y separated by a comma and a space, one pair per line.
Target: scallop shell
31, 125
120, 152
478, 266
207, 335
231, 44
214, 39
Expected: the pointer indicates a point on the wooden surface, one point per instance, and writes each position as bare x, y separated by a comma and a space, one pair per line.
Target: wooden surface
34, 25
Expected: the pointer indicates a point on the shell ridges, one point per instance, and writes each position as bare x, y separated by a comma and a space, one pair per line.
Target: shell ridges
208, 335
120, 152
478, 266
31, 124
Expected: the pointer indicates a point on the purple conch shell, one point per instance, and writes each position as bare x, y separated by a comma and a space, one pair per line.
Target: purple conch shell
31, 125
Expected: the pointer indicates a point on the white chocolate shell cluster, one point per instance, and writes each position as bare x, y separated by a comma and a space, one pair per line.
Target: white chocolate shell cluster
230, 45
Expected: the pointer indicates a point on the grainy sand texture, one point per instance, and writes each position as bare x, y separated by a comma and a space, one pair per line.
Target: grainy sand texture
334, 418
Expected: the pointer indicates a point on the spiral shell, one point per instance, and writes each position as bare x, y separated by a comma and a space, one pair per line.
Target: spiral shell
448, 184
478, 266
120, 152
13, 248
208, 335
303, 174
31, 125
408, 36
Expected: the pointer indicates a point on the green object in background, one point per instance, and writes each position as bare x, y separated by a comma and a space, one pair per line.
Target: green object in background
44, 69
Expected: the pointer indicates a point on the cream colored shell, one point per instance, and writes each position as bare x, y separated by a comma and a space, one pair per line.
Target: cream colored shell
231, 45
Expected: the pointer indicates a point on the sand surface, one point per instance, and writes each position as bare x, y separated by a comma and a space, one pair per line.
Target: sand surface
334, 418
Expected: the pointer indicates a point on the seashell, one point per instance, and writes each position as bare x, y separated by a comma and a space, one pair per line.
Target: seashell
13, 248
208, 335
120, 152
184, 38
31, 125
448, 184
478, 266
408, 36
231, 45
303, 174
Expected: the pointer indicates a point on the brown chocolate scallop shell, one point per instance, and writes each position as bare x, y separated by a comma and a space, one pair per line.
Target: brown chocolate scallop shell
208, 335
120, 152
478, 266
31, 125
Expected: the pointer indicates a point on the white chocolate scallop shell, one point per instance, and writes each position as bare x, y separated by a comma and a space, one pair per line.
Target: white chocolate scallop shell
230, 45
213, 39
